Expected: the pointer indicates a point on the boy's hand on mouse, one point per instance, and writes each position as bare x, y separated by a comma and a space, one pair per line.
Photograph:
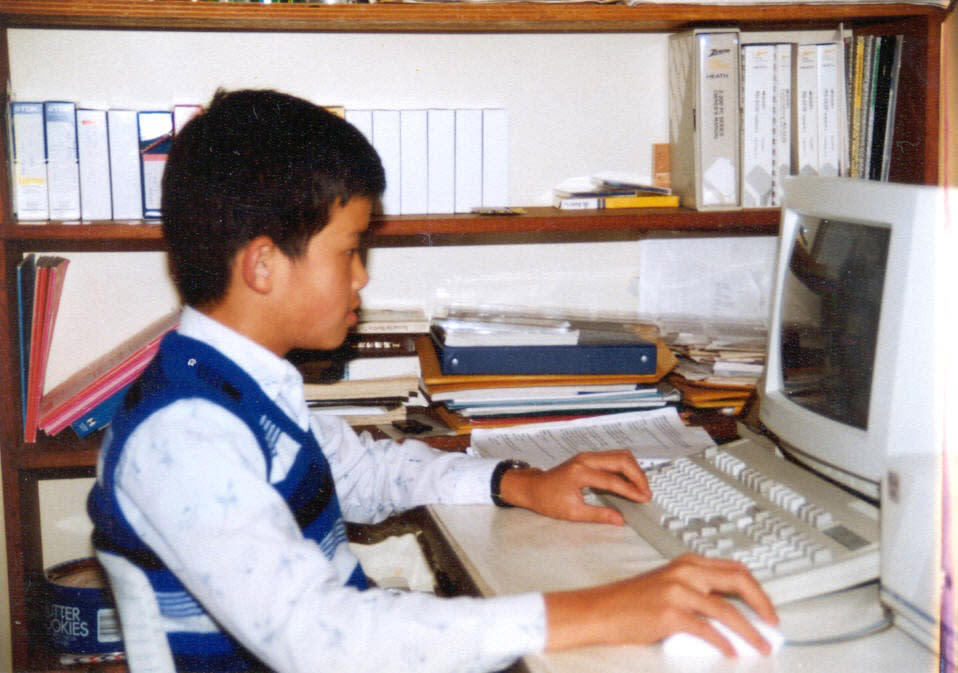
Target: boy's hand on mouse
679, 596
558, 492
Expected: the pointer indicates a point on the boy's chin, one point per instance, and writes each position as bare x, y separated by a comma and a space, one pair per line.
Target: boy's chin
329, 343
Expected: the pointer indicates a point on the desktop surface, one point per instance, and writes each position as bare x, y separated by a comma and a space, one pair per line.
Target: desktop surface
508, 551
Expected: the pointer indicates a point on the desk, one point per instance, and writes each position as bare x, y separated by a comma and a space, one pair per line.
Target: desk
509, 551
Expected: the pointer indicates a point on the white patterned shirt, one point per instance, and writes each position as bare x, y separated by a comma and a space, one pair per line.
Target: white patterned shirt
193, 483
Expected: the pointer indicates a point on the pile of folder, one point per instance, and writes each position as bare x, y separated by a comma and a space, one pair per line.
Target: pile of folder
495, 370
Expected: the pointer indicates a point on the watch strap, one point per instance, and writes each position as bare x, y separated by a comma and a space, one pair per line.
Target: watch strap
495, 485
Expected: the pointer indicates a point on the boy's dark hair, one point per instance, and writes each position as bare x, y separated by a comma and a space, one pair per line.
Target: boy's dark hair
256, 163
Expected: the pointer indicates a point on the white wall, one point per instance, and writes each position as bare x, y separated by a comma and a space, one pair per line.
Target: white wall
577, 104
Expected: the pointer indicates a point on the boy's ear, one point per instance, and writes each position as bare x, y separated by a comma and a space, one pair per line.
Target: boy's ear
257, 260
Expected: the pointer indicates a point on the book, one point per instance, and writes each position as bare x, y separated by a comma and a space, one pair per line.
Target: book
155, 140
468, 159
99, 380
398, 387
867, 106
441, 161
804, 116
386, 140
704, 117
495, 157
868, 123
892, 107
758, 124
782, 120
26, 279
99, 416
362, 120
585, 357
650, 200
48, 287
30, 200
413, 162
636, 397
183, 113
830, 88
392, 321
93, 148
883, 124
436, 381
63, 168
125, 193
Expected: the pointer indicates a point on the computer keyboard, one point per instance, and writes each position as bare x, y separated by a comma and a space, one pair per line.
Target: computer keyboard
800, 535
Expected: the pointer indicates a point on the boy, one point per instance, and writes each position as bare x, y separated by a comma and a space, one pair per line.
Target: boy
216, 485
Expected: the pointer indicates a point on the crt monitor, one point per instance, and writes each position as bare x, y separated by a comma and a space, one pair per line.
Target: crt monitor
855, 385
850, 332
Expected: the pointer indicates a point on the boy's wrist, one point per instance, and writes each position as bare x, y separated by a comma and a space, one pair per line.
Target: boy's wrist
512, 477
498, 475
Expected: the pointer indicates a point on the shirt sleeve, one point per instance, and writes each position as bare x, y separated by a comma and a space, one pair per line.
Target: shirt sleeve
376, 478
197, 493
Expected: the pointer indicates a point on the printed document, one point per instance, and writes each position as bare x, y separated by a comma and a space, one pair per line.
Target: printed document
652, 436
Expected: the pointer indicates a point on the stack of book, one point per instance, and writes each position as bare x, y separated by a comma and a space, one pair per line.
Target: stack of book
610, 190
872, 63
496, 370
373, 401
747, 109
75, 163
373, 378
718, 364
39, 287
87, 400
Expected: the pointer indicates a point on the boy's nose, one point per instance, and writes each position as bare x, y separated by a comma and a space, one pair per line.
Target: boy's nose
360, 275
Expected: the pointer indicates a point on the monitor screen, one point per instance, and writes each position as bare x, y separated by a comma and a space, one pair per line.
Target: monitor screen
830, 314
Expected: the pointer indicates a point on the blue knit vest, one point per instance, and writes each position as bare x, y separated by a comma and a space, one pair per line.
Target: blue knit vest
186, 368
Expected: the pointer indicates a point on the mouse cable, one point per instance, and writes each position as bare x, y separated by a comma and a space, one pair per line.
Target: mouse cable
884, 623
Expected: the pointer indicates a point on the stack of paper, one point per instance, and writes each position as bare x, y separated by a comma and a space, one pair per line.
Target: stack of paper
652, 436
719, 364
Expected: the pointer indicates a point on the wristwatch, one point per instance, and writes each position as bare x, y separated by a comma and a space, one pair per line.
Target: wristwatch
495, 484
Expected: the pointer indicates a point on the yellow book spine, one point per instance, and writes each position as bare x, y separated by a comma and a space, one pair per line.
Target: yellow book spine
642, 201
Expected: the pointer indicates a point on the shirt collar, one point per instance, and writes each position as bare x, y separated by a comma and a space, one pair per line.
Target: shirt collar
278, 378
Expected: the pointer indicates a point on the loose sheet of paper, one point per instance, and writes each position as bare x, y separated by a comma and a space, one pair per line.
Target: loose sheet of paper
654, 435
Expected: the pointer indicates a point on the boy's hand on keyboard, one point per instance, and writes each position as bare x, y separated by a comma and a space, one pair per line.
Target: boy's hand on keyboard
558, 492
678, 597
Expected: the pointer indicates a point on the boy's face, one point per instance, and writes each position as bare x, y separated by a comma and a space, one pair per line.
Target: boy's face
323, 285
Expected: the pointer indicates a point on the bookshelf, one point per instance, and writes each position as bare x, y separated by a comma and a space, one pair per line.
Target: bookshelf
24, 466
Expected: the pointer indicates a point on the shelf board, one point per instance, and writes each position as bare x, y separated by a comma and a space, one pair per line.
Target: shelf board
65, 452
547, 221
432, 17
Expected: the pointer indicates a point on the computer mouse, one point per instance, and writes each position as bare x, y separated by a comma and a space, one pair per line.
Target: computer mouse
687, 645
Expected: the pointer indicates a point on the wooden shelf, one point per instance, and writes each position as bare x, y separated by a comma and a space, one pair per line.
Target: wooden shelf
439, 17
425, 228
66, 452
